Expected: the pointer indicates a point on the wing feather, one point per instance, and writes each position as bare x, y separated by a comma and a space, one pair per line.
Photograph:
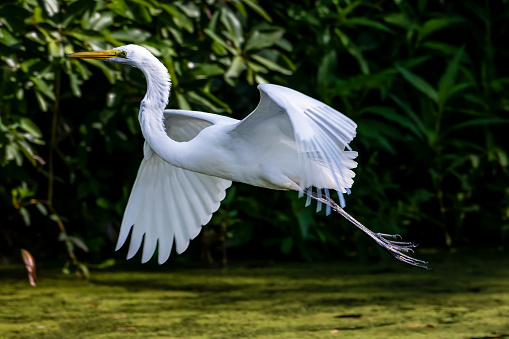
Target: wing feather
165, 243
320, 134
167, 203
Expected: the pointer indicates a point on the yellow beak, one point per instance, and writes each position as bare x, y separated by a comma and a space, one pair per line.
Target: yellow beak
101, 55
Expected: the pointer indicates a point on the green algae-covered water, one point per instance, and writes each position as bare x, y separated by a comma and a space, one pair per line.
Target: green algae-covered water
464, 296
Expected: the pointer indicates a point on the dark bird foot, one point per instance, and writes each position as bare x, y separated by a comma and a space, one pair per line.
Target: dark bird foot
394, 248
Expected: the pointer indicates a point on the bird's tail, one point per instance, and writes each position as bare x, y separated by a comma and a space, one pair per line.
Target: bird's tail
394, 248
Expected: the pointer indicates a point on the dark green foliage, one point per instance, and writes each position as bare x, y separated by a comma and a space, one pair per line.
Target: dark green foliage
427, 83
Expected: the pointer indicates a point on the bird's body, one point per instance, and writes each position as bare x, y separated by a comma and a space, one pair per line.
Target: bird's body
289, 142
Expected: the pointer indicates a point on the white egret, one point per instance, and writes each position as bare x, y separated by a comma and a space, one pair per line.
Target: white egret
289, 142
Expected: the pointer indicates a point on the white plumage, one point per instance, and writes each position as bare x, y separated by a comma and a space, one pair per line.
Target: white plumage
289, 142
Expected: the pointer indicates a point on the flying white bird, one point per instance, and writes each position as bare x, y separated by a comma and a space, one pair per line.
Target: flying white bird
289, 142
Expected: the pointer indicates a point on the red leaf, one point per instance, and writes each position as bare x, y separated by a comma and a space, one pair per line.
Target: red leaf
30, 266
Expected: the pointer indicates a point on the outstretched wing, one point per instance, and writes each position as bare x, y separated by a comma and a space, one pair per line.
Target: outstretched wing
320, 134
168, 203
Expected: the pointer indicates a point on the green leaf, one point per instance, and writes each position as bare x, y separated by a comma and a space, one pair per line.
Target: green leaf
78, 242
233, 26
286, 245
502, 158
327, 68
220, 41
121, 8
447, 80
27, 151
216, 100
255, 7
441, 47
36, 37
202, 70
51, 6
141, 15
179, 18
477, 122
262, 40
177, 34
189, 8
236, 68
240, 8
458, 87
434, 25
107, 263
109, 73
369, 23
25, 215
43, 104
131, 35
419, 83
203, 101
30, 127
103, 203
8, 40
86, 36
369, 132
55, 50
399, 19
43, 87
349, 8
271, 65
42, 209
75, 83
353, 50
12, 152
77, 8
304, 219
182, 102
84, 269
391, 115
100, 21
417, 121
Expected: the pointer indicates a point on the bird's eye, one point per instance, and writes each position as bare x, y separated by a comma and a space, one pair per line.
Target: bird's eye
122, 54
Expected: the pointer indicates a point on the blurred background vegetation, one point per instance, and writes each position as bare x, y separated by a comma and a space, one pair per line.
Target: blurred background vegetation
426, 81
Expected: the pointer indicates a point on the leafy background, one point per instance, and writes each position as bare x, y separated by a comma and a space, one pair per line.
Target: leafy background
426, 81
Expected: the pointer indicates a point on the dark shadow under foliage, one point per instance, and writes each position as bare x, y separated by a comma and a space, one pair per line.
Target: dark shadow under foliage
425, 81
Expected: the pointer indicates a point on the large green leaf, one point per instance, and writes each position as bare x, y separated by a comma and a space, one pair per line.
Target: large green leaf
220, 41
353, 50
419, 83
436, 24
7, 39
259, 40
359, 21
447, 80
412, 124
233, 26
29, 126
271, 64
258, 9
131, 35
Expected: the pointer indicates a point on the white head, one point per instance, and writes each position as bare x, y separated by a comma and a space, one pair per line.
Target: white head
158, 79
133, 55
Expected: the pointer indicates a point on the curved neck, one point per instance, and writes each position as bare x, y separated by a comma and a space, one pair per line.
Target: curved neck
151, 111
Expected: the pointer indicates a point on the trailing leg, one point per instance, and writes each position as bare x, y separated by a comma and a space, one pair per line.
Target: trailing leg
394, 248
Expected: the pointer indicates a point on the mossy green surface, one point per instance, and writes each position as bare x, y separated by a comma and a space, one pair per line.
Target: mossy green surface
464, 296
